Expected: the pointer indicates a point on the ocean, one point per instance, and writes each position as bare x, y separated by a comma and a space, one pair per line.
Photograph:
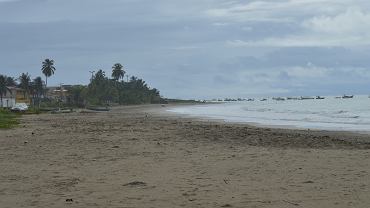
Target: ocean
330, 113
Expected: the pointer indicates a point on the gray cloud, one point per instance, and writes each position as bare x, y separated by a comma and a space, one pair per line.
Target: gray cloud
191, 49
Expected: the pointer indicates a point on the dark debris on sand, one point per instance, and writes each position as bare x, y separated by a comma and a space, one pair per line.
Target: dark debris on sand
280, 138
135, 183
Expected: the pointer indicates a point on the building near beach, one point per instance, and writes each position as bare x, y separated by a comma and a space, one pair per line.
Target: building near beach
58, 93
16, 95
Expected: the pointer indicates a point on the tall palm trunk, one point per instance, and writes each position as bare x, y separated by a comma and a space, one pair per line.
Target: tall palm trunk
46, 85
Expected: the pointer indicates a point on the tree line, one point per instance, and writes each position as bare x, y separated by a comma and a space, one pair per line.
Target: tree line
102, 90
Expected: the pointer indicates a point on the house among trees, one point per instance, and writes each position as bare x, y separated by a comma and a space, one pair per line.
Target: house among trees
13, 96
102, 90
58, 93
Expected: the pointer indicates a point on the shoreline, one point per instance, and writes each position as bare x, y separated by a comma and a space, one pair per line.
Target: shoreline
132, 156
287, 137
259, 125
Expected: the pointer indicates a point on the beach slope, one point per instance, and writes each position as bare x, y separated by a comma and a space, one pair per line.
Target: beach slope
138, 157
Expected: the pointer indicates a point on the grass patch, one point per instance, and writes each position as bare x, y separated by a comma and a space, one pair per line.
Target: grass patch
33, 111
8, 119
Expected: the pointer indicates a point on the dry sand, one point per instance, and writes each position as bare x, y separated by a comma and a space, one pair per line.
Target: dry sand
137, 157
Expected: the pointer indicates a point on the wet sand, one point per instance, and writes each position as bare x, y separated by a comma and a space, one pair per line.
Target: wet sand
139, 157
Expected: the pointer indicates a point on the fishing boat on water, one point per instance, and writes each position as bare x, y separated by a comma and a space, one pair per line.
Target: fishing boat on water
347, 96
278, 98
319, 98
307, 98
292, 98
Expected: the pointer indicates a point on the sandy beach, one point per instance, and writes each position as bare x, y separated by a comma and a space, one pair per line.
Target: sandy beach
139, 156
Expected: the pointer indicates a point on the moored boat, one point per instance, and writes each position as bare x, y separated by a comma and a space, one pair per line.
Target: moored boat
347, 96
306, 98
278, 98
292, 98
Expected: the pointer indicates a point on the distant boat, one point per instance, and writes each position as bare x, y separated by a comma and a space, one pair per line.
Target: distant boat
250, 99
264, 99
307, 98
347, 96
292, 98
319, 98
278, 98
230, 100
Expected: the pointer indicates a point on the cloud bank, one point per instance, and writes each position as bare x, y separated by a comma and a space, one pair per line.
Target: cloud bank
195, 48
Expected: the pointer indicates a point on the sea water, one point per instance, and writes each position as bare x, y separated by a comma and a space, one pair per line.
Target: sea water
327, 114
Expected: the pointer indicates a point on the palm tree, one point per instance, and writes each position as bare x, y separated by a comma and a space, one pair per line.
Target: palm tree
48, 68
38, 88
10, 81
3, 88
118, 72
25, 84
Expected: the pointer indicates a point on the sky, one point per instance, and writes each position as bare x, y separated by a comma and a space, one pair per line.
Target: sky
195, 49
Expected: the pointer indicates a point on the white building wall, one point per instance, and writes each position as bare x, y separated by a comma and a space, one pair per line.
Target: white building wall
7, 102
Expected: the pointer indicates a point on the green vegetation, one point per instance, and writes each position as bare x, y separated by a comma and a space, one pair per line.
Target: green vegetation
101, 91
8, 119
37, 90
48, 69
77, 95
33, 110
105, 91
25, 83
118, 72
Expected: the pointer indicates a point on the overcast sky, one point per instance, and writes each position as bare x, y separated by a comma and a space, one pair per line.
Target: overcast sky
195, 48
